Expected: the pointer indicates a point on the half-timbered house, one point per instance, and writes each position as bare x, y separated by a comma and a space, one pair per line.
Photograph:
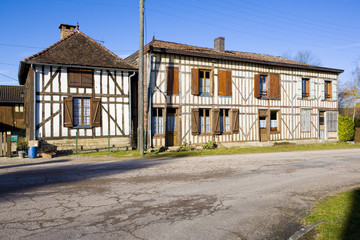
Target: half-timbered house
198, 94
77, 90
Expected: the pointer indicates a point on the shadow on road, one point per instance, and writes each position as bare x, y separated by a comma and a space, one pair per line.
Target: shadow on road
18, 181
32, 164
352, 229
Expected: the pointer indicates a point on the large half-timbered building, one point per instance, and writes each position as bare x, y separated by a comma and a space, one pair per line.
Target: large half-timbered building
77, 89
197, 94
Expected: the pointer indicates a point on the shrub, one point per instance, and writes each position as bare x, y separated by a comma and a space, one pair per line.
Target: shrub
22, 144
160, 149
345, 128
185, 147
210, 145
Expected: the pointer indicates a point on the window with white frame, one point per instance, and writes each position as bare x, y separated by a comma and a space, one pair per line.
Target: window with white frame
204, 120
305, 120
81, 112
157, 121
274, 121
204, 81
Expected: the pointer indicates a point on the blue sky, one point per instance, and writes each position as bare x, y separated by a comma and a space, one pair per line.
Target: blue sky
328, 28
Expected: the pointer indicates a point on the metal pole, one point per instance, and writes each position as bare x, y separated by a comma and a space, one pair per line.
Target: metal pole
76, 141
141, 80
108, 140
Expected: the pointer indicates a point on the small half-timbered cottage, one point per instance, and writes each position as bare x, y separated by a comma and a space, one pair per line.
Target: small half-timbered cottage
197, 94
76, 89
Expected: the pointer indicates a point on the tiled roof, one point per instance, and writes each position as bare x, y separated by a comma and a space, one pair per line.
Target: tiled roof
80, 50
11, 94
183, 49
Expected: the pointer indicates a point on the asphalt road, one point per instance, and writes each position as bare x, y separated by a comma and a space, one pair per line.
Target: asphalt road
251, 196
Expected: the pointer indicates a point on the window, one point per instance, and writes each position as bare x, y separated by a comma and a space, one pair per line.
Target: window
327, 90
305, 120
81, 112
80, 77
267, 86
19, 108
204, 121
225, 83
157, 121
173, 81
201, 82
274, 121
305, 88
332, 118
224, 120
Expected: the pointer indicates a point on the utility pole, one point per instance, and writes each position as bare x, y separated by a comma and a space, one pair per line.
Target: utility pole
141, 81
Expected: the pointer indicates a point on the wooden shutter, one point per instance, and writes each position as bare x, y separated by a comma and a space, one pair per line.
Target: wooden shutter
312, 88
87, 78
222, 83
216, 120
95, 114
195, 121
257, 85
299, 88
235, 120
329, 89
228, 83
68, 112
74, 76
275, 87
173, 80
322, 89
194, 81
334, 91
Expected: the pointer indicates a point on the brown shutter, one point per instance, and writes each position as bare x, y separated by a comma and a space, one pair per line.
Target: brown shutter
87, 78
275, 87
195, 121
235, 120
257, 85
329, 89
222, 83
216, 120
176, 81
95, 114
74, 76
68, 112
173, 80
194, 81
228, 83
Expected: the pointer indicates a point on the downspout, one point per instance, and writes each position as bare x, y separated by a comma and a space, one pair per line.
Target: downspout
33, 67
130, 103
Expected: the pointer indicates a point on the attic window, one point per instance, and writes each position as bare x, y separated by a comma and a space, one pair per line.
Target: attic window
80, 77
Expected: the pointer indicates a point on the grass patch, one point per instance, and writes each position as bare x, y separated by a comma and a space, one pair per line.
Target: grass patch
343, 215
227, 151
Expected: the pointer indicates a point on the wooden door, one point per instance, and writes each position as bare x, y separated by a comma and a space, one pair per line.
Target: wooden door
172, 127
6, 119
321, 125
264, 126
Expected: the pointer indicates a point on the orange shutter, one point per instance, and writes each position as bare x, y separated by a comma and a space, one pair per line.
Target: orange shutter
195, 81
257, 85
222, 83
228, 83
95, 113
68, 112
195, 121
275, 87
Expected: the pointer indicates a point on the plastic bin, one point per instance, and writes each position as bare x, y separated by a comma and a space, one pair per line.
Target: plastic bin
33, 152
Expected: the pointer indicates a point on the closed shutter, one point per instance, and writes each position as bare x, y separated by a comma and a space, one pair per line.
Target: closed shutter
275, 87
195, 121
195, 81
173, 80
299, 88
87, 78
95, 112
74, 76
222, 83
228, 83
216, 120
312, 88
329, 90
322, 89
257, 85
235, 120
68, 112
334, 91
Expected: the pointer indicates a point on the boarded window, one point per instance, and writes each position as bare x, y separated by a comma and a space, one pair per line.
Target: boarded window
173, 81
225, 83
157, 121
275, 87
235, 120
305, 120
195, 121
80, 77
332, 118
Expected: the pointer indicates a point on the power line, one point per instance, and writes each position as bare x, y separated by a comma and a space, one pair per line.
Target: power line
9, 64
8, 77
14, 45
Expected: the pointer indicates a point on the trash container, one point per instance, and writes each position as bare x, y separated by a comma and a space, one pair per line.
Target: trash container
32, 152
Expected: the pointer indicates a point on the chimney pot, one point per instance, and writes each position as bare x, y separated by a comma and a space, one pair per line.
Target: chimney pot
219, 44
66, 30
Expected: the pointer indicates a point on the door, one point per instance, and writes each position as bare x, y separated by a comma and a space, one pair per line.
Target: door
263, 126
322, 125
172, 127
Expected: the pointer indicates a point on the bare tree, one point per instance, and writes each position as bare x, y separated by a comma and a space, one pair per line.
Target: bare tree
303, 56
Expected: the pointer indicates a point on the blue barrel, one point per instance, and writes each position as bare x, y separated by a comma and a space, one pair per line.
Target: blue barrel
32, 152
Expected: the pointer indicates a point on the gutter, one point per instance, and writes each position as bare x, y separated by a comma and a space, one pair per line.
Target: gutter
150, 101
33, 67
130, 96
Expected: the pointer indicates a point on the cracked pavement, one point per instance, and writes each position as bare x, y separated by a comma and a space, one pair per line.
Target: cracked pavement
249, 196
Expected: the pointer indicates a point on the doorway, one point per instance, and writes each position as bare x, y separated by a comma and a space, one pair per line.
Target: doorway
172, 127
263, 126
321, 125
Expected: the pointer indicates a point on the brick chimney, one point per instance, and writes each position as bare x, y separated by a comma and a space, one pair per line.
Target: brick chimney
66, 30
219, 44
